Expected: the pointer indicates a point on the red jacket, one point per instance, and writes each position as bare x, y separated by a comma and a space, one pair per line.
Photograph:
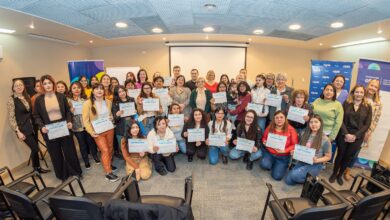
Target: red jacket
241, 105
292, 140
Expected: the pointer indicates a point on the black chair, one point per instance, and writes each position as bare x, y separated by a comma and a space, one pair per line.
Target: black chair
305, 207
364, 207
29, 207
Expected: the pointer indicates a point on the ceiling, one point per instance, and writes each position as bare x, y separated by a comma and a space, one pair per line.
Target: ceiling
232, 17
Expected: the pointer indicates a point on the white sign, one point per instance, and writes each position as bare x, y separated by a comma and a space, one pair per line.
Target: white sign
121, 72
245, 144
128, 109
276, 141
217, 140
57, 130
176, 119
151, 104
219, 97
273, 100
102, 124
161, 92
304, 154
297, 114
138, 145
166, 146
78, 107
134, 93
196, 134
167, 81
258, 108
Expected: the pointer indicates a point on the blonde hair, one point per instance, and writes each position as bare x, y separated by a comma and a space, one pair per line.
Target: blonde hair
376, 97
351, 98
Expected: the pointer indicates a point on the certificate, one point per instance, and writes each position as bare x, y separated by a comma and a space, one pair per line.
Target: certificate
245, 144
219, 97
258, 108
128, 109
297, 114
217, 140
176, 119
167, 81
273, 100
57, 130
166, 146
161, 92
102, 124
138, 145
78, 107
151, 104
304, 154
134, 93
196, 134
232, 106
276, 141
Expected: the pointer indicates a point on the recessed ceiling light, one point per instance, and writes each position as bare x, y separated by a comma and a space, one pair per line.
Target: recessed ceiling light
371, 40
6, 31
207, 37
258, 31
121, 24
294, 27
91, 41
157, 30
31, 26
210, 6
208, 29
321, 44
164, 38
379, 31
337, 25
249, 39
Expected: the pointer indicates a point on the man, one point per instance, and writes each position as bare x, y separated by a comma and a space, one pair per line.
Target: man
244, 72
176, 71
191, 84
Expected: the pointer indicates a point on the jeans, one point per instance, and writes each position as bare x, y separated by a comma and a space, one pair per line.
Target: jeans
119, 139
299, 172
182, 145
277, 164
237, 154
261, 123
148, 125
214, 153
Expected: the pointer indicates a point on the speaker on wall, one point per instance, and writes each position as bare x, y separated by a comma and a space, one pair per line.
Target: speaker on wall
29, 83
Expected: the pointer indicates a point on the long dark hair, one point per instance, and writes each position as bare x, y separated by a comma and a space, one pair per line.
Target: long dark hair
92, 97
262, 76
253, 128
88, 83
218, 109
128, 131
116, 93
222, 83
157, 120
322, 96
272, 125
341, 76
247, 88
224, 75
24, 93
139, 72
64, 84
142, 94
191, 121
82, 91
317, 141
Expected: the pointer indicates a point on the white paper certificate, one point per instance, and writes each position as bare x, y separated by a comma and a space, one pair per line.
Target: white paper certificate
78, 107
138, 145
166, 146
57, 130
297, 114
134, 93
167, 81
276, 141
128, 109
273, 100
196, 134
151, 104
258, 108
219, 97
176, 119
102, 124
304, 154
161, 92
245, 144
217, 140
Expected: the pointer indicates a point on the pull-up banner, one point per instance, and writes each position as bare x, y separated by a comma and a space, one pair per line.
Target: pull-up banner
86, 68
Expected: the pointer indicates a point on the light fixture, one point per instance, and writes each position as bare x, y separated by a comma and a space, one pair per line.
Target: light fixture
258, 31
321, 44
164, 38
249, 39
294, 27
91, 41
379, 31
207, 37
121, 25
371, 40
53, 39
210, 6
337, 24
157, 30
208, 29
31, 26
6, 31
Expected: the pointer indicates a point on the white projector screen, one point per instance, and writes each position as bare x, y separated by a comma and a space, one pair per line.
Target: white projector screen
223, 60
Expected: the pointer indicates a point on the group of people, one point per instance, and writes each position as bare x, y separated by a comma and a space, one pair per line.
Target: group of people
217, 120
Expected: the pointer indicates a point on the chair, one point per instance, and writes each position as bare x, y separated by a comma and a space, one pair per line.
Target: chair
303, 208
364, 207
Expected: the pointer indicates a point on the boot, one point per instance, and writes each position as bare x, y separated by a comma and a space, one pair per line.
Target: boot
249, 165
340, 179
332, 178
190, 158
246, 158
347, 174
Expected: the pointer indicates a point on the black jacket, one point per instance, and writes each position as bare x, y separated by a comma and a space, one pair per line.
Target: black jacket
23, 117
356, 123
120, 123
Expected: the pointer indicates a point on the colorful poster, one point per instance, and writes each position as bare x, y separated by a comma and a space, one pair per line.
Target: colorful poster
87, 68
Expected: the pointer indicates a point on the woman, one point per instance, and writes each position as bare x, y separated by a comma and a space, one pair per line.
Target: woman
270, 81
222, 87
52, 107
38, 91
21, 121
201, 96
283, 90
129, 84
259, 93
106, 82
162, 162
225, 79
314, 138
84, 82
175, 109
181, 95
248, 129
277, 160
232, 100
62, 88
163, 94
98, 107
113, 83
197, 120
135, 162
93, 80
356, 121
142, 77
210, 84
244, 97
131, 76
299, 100
339, 82
330, 110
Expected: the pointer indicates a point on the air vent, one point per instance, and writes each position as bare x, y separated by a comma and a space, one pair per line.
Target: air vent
291, 35
53, 39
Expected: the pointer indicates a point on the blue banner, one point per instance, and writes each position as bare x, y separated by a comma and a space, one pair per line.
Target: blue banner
85, 67
323, 72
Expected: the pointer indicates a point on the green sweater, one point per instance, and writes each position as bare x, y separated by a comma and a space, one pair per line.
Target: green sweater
331, 113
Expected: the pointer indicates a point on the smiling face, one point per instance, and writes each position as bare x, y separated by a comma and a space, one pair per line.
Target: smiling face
142, 76
373, 87
18, 87
147, 90
60, 88
225, 79
84, 82
94, 80
222, 88
194, 75
242, 88
197, 116
300, 99
280, 119
134, 130
158, 83
210, 76
281, 82
175, 109
358, 94
200, 83
121, 93
114, 83
328, 92
106, 81
220, 115
161, 126
249, 117
38, 87
180, 81
176, 72
314, 124
98, 92
338, 82
48, 86
76, 90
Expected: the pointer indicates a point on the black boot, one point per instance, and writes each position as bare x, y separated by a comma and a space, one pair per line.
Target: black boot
249, 165
190, 158
340, 179
246, 158
41, 170
224, 159
332, 178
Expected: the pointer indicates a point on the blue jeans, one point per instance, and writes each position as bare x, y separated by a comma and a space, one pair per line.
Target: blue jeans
214, 153
182, 145
261, 123
119, 139
237, 154
299, 172
148, 125
277, 164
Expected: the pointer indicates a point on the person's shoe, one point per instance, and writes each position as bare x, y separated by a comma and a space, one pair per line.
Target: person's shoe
340, 180
112, 177
224, 160
97, 160
190, 158
347, 174
87, 165
113, 168
332, 178
249, 165
118, 155
41, 170
162, 172
246, 158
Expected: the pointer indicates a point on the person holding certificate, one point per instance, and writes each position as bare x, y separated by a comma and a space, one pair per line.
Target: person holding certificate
283, 90
299, 100
221, 89
313, 138
219, 137
162, 162
197, 121
341, 93
162, 93
105, 80
50, 108
97, 119
181, 95
177, 128
248, 130
201, 96
210, 83
137, 162
259, 93
277, 158
244, 97
142, 77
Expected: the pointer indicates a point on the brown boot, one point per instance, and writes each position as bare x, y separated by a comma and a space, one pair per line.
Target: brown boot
347, 174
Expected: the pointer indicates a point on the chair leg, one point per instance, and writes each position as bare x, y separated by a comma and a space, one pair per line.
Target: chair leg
43, 157
266, 205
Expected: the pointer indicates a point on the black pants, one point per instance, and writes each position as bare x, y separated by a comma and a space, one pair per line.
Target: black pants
201, 151
63, 156
161, 162
83, 144
92, 147
345, 153
34, 147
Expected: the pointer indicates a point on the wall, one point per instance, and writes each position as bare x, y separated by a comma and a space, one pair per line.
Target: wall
24, 56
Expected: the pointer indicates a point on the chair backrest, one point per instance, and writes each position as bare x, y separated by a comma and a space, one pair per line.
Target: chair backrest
329, 212
71, 207
21, 204
132, 192
188, 190
370, 206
